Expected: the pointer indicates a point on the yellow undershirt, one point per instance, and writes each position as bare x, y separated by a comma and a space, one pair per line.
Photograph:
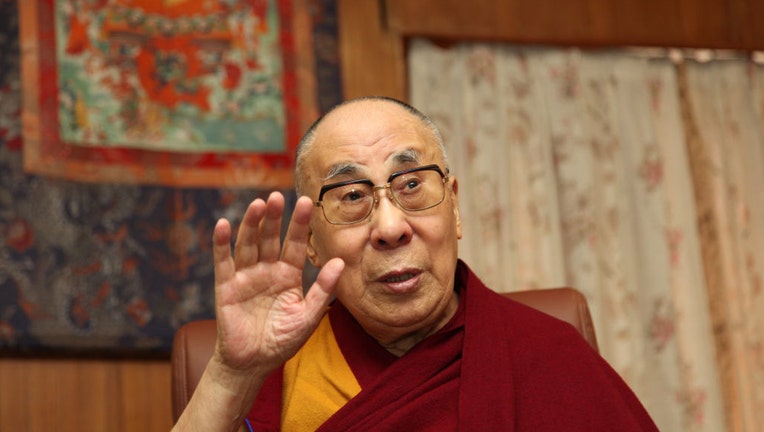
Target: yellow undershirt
317, 382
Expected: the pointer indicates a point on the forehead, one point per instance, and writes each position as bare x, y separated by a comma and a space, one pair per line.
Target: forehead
370, 135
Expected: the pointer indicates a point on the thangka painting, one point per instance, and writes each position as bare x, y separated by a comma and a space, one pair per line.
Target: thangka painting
113, 266
166, 92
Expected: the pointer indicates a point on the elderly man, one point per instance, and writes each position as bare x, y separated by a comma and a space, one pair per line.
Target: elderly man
414, 340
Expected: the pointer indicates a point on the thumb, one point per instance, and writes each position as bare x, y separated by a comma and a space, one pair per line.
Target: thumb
320, 293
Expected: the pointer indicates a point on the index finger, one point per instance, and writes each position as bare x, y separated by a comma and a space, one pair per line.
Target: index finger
295, 245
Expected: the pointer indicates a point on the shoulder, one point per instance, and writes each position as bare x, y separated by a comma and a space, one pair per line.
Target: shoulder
549, 364
529, 337
533, 331
512, 320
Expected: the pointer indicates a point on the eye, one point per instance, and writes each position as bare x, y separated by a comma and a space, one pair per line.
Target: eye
408, 184
412, 183
353, 194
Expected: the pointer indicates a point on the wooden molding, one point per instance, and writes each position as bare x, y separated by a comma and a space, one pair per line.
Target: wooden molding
728, 24
373, 33
372, 58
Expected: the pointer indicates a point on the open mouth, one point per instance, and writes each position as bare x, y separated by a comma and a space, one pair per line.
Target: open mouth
399, 278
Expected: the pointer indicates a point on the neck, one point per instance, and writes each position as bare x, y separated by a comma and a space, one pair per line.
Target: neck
401, 345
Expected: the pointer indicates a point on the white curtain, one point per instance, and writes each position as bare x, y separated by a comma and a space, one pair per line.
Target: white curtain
637, 182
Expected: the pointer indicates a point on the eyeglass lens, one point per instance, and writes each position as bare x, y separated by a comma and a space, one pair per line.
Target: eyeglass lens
418, 190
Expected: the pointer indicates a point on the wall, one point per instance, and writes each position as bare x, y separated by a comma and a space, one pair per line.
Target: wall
373, 33
133, 395
84, 395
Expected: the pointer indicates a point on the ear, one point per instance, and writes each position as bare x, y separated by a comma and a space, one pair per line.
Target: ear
312, 253
455, 203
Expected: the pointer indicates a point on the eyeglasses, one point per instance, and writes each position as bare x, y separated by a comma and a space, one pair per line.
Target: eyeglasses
352, 201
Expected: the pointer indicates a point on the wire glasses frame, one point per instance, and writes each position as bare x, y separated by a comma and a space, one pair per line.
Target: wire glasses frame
413, 194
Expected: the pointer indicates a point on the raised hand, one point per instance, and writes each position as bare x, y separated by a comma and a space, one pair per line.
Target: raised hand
262, 315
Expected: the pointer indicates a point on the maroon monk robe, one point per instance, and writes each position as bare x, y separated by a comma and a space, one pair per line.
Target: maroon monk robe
498, 365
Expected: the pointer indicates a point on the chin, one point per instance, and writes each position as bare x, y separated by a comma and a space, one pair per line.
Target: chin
415, 316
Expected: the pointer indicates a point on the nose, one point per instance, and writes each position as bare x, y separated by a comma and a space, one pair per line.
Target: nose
390, 225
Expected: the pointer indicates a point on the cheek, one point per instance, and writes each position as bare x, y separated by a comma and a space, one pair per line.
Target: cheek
346, 243
442, 244
444, 229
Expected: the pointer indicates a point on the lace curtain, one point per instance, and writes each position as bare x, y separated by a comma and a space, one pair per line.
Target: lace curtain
635, 180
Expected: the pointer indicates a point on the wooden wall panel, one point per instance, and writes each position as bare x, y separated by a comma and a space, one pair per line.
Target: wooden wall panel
679, 23
373, 33
84, 395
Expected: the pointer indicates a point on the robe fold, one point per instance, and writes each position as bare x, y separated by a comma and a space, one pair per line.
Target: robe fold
497, 365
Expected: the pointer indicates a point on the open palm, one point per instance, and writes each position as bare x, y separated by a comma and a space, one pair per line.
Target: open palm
262, 315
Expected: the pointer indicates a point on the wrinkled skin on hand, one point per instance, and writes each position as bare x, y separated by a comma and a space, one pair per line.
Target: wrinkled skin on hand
262, 316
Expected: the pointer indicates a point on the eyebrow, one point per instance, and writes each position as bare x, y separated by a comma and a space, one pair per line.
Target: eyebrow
349, 168
342, 169
406, 156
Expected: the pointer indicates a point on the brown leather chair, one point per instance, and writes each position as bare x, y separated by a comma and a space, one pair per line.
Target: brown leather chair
195, 341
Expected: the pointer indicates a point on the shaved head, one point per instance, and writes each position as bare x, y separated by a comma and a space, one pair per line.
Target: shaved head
305, 145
